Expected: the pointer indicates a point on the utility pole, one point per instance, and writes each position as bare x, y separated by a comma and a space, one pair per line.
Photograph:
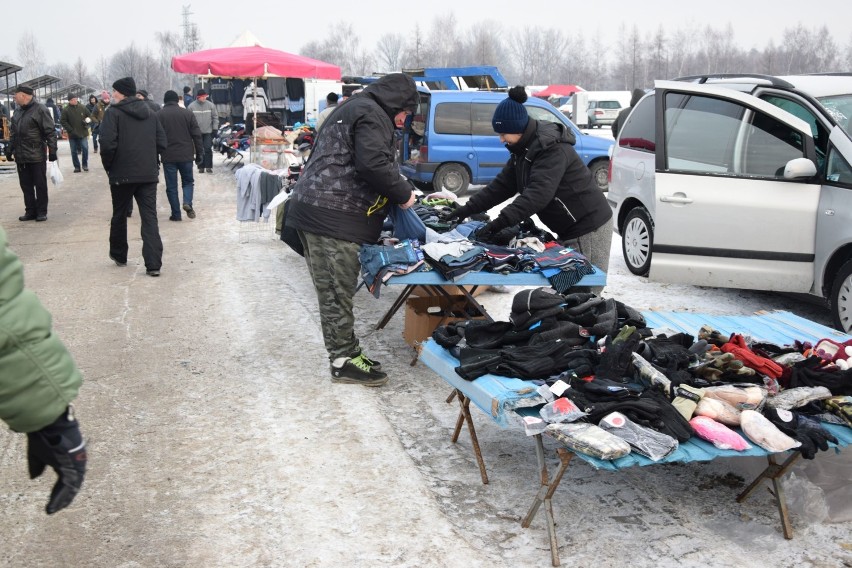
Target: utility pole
190, 30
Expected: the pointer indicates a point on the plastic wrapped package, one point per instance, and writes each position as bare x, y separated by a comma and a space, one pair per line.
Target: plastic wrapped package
589, 439
740, 396
764, 433
718, 434
794, 398
718, 410
561, 410
650, 443
649, 374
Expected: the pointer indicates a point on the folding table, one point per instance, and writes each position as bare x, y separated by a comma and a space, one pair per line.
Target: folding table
506, 399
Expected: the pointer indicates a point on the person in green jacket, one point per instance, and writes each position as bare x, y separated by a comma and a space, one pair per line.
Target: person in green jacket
38, 381
76, 120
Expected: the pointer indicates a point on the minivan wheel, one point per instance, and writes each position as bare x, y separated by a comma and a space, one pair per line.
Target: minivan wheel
637, 238
599, 174
841, 298
452, 177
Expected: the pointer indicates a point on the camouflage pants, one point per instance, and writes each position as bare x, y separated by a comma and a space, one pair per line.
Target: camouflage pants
334, 268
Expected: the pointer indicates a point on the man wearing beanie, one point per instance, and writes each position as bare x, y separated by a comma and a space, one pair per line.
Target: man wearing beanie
549, 180
131, 140
184, 138
208, 121
32, 135
75, 120
340, 203
331, 104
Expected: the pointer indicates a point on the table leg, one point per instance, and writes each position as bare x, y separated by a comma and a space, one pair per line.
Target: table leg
472, 301
545, 494
774, 472
398, 303
464, 416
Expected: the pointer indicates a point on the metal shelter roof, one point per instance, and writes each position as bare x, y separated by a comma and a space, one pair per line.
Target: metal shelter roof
37, 83
74, 88
8, 68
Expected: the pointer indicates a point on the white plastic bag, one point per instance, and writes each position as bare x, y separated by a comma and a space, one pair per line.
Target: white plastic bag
55, 174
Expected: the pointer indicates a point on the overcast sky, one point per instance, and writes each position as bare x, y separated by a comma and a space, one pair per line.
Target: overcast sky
91, 29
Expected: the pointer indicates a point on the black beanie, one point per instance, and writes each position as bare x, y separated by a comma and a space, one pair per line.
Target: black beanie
126, 86
170, 97
510, 116
23, 89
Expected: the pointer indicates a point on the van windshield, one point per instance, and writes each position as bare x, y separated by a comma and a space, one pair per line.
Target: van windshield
840, 108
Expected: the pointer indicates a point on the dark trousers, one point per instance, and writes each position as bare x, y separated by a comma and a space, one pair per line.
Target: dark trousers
207, 144
170, 172
79, 145
95, 131
33, 180
146, 199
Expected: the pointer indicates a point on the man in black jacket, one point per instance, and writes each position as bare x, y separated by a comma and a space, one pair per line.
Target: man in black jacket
547, 178
32, 135
340, 203
131, 140
184, 137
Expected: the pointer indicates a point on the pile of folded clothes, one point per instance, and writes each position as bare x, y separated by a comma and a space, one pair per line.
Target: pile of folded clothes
609, 386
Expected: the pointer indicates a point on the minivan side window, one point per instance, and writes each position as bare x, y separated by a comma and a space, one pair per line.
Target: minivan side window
639, 131
452, 118
482, 114
819, 132
542, 115
700, 133
838, 169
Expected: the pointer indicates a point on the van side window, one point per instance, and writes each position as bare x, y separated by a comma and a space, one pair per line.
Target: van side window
542, 115
452, 118
481, 114
639, 131
769, 145
819, 132
701, 133
838, 169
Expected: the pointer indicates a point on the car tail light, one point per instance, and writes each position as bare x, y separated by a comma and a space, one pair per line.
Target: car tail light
609, 171
599, 113
424, 153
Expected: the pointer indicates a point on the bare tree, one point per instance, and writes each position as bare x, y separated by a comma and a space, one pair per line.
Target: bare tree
102, 72
126, 63
31, 56
348, 55
444, 40
527, 49
415, 52
484, 46
389, 52
169, 44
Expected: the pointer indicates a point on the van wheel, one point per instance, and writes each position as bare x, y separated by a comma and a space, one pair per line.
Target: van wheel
637, 240
452, 177
841, 298
599, 173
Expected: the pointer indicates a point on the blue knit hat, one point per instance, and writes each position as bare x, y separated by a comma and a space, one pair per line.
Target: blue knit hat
510, 116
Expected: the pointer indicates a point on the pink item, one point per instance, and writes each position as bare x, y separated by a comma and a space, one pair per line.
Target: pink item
718, 434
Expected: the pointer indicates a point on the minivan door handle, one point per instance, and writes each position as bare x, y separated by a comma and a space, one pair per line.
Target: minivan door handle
675, 199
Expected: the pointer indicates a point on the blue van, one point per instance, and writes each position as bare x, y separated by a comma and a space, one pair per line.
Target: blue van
450, 144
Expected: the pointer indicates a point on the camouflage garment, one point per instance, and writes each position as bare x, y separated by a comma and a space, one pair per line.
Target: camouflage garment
334, 268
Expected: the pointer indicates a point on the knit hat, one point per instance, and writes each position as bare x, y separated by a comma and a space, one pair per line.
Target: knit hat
23, 89
170, 97
73, 96
142, 92
201, 93
531, 306
510, 116
126, 86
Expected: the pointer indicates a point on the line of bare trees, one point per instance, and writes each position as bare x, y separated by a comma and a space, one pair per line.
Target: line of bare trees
531, 55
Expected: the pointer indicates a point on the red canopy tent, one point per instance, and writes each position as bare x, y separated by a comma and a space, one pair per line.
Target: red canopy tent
557, 90
253, 62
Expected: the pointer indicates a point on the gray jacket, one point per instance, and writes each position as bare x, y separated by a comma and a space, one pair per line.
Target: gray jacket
206, 116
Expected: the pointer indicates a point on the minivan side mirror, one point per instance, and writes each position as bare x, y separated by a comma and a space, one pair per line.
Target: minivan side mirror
798, 168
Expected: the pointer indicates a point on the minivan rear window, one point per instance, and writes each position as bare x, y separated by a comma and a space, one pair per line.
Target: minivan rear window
452, 118
639, 130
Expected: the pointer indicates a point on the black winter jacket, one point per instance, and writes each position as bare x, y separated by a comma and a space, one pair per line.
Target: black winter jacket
550, 180
182, 132
32, 134
131, 139
352, 174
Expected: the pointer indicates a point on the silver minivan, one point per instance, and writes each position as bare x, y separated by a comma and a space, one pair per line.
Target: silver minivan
740, 181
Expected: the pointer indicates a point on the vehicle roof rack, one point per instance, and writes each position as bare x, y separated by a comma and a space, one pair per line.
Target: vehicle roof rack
833, 74
774, 81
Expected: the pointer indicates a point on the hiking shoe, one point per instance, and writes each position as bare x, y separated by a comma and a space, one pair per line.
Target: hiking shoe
76, 170
190, 212
27, 217
41, 217
372, 363
356, 371
85, 168
116, 261
152, 272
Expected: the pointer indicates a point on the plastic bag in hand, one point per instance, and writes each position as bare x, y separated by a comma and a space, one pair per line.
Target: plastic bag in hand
55, 174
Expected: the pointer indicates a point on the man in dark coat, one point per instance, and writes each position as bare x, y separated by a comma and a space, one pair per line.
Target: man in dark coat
340, 203
75, 120
32, 136
184, 137
131, 140
547, 178
625, 112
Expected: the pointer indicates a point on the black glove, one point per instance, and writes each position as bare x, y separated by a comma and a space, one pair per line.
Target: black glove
61, 447
617, 358
484, 234
802, 428
10, 157
458, 214
198, 162
51, 156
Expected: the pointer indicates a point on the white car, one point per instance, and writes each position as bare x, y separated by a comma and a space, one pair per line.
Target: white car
740, 182
603, 113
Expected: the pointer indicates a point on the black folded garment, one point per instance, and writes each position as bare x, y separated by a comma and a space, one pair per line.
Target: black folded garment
811, 373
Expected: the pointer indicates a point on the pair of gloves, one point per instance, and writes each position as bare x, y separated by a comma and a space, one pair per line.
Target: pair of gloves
802, 428
483, 234
60, 446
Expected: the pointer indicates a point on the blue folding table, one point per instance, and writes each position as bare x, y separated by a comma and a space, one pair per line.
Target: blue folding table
505, 399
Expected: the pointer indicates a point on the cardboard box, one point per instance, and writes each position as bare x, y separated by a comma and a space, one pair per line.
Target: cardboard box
451, 290
424, 314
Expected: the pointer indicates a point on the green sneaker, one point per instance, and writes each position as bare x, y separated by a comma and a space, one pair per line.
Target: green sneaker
356, 371
375, 365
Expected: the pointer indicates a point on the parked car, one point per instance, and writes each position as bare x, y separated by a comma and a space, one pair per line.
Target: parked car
740, 182
603, 113
450, 142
